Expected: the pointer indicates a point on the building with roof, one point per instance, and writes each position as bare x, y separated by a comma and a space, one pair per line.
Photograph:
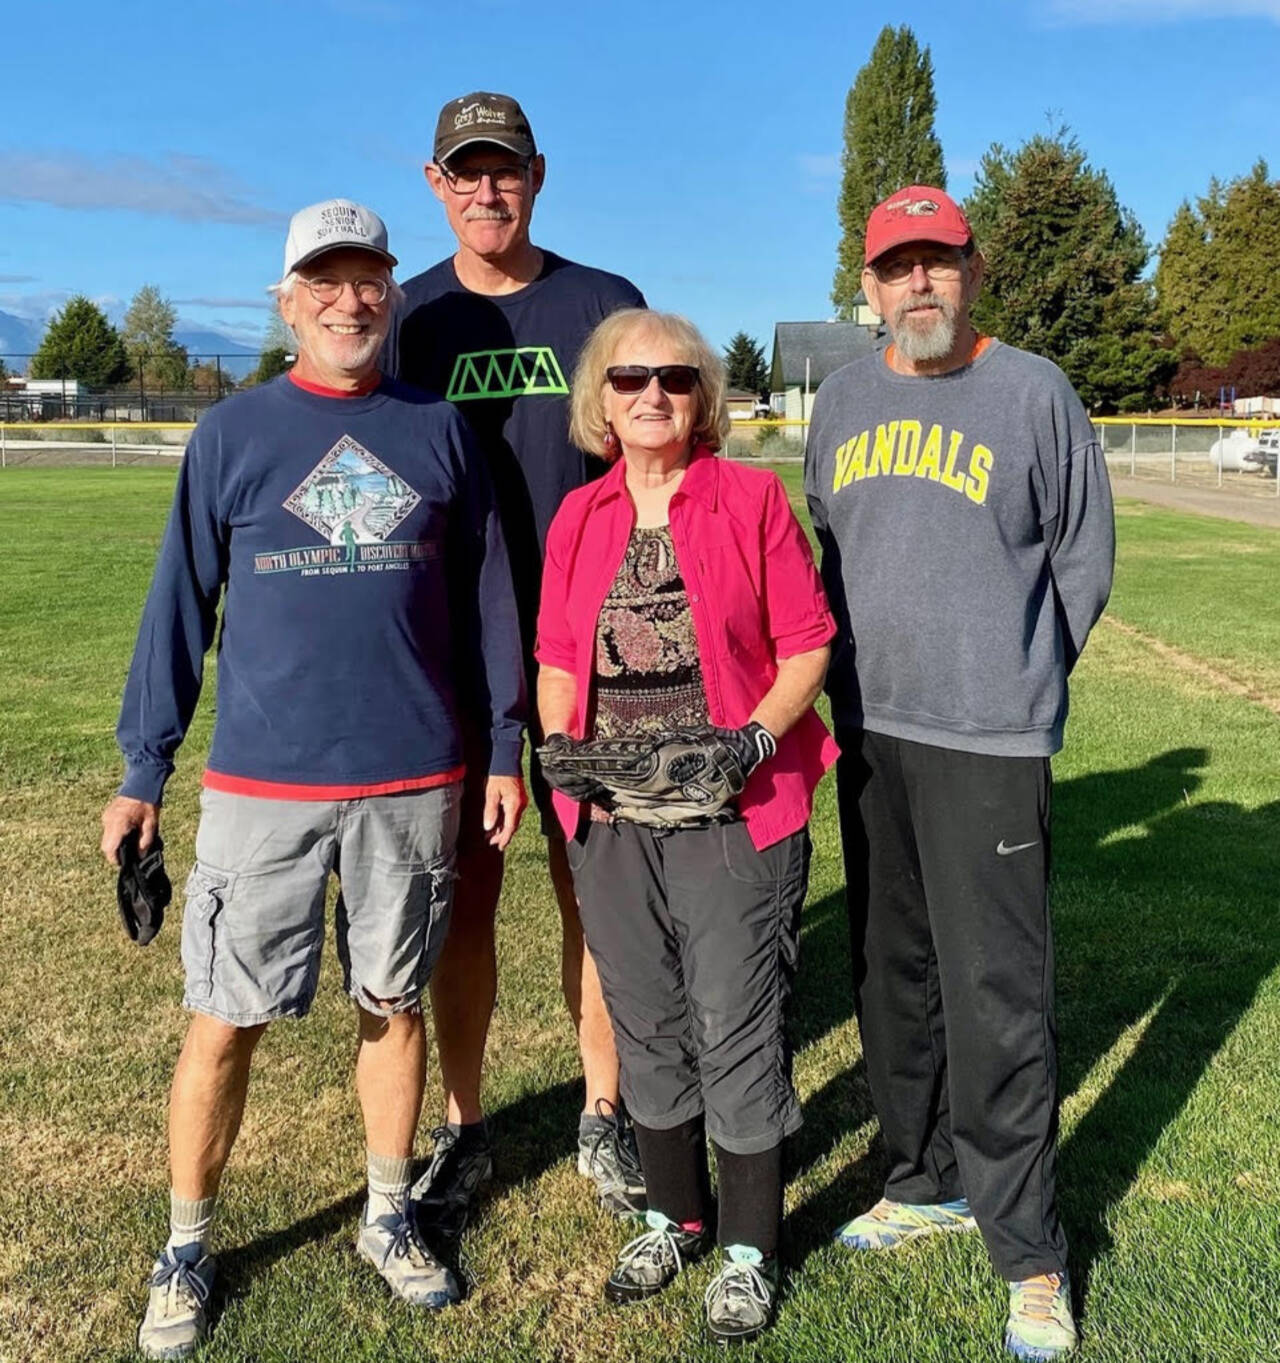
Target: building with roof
804, 353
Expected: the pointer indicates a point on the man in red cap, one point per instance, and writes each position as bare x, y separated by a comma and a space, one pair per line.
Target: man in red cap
964, 512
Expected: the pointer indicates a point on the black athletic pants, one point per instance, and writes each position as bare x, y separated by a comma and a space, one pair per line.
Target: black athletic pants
947, 860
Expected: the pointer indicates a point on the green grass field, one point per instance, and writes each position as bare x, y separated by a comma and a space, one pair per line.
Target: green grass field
1166, 901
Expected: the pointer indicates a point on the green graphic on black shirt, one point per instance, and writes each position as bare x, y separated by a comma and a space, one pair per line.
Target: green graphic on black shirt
528, 371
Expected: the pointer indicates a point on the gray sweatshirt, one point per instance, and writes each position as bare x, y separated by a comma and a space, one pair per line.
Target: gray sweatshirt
967, 548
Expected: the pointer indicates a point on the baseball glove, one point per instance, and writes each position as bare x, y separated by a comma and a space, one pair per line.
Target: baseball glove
677, 779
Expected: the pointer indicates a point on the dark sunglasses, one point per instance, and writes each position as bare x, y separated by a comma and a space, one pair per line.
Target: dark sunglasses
678, 379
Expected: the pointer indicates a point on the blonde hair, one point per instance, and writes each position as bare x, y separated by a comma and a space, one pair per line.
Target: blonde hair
587, 425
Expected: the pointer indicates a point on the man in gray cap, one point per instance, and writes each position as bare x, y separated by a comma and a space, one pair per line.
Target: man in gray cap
347, 523
497, 328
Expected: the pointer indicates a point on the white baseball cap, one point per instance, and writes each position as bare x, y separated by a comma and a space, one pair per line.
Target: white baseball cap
329, 225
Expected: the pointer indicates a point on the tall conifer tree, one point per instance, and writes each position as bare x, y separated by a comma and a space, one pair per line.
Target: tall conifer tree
889, 142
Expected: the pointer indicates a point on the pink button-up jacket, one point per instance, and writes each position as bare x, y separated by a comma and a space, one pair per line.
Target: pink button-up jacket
754, 594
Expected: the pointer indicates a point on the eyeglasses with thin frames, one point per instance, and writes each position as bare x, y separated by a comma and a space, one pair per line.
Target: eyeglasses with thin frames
326, 289
676, 379
938, 265
504, 179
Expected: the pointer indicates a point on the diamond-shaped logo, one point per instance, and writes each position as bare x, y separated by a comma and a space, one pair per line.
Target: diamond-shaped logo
351, 496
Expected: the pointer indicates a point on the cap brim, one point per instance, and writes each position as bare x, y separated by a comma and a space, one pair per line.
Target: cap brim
519, 146
941, 236
382, 255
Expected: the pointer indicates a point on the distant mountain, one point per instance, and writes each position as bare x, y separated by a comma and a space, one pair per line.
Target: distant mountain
206, 344
19, 335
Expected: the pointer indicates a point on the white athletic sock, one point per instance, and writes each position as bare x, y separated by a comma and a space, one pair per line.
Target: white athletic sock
189, 1221
389, 1179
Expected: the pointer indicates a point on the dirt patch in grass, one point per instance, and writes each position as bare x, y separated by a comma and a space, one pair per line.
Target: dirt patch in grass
1190, 665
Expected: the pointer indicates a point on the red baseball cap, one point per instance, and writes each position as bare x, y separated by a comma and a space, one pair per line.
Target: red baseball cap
917, 213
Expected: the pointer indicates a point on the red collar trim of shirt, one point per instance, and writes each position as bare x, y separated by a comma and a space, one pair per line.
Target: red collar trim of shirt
321, 391
979, 345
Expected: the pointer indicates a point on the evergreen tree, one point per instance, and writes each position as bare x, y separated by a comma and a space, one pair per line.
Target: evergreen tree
1063, 266
81, 344
889, 142
744, 364
1218, 281
271, 364
148, 339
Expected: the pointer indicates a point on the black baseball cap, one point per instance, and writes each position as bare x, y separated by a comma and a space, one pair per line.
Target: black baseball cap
483, 117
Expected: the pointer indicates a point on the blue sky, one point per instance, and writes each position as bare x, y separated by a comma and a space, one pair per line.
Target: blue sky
691, 146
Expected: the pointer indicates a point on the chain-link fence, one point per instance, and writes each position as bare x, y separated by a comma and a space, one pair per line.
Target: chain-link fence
1229, 453
86, 444
207, 378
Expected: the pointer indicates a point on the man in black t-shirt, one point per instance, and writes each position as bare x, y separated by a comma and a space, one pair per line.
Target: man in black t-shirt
497, 328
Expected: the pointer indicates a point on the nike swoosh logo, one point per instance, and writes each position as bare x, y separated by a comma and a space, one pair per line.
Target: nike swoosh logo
1004, 851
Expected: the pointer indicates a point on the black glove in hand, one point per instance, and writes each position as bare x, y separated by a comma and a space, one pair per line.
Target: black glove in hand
142, 888
751, 745
571, 783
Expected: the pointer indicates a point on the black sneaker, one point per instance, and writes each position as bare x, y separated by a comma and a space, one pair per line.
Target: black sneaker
608, 1155
653, 1259
443, 1198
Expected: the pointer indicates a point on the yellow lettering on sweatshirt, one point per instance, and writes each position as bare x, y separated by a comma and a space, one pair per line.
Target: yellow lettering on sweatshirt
908, 448
882, 451
931, 455
952, 479
975, 485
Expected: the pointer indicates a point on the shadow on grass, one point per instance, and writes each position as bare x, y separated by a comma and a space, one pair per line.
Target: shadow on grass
1177, 922
1163, 907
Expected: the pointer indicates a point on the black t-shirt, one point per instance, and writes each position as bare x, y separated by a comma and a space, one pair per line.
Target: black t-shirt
507, 361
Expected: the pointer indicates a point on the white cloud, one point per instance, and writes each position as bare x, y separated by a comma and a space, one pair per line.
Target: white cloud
256, 303
1157, 11
189, 188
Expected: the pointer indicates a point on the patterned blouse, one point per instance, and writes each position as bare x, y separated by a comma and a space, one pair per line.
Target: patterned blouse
648, 676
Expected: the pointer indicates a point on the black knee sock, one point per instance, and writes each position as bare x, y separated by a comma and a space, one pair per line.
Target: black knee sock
675, 1170
751, 1199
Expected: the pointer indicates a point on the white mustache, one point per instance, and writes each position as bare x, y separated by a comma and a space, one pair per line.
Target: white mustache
485, 215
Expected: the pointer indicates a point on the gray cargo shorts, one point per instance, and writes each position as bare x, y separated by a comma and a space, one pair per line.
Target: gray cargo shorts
253, 925
696, 934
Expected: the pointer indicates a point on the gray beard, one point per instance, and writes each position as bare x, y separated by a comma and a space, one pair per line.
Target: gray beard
919, 344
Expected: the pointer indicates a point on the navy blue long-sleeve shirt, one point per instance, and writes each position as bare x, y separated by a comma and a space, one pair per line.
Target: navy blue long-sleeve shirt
368, 598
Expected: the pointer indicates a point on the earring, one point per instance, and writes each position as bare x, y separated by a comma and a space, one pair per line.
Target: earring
611, 445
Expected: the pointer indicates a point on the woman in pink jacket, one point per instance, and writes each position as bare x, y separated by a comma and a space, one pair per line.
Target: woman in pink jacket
680, 591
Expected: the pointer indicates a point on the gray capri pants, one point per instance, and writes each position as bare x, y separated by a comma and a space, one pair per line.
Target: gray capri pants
696, 935
253, 925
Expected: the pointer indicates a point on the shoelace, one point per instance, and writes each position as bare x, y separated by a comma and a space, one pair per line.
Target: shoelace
1036, 1296
406, 1245
744, 1280
656, 1247
182, 1274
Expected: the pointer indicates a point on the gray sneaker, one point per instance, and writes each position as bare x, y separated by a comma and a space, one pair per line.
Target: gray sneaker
608, 1155
443, 1198
393, 1246
653, 1259
740, 1299
177, 1315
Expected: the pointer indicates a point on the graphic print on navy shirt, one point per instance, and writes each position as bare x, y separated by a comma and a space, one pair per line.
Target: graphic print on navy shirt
355, 501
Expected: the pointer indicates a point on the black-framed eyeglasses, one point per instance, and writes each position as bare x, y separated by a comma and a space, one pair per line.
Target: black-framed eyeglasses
677, 379
505, 179
940, 265
326, 289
